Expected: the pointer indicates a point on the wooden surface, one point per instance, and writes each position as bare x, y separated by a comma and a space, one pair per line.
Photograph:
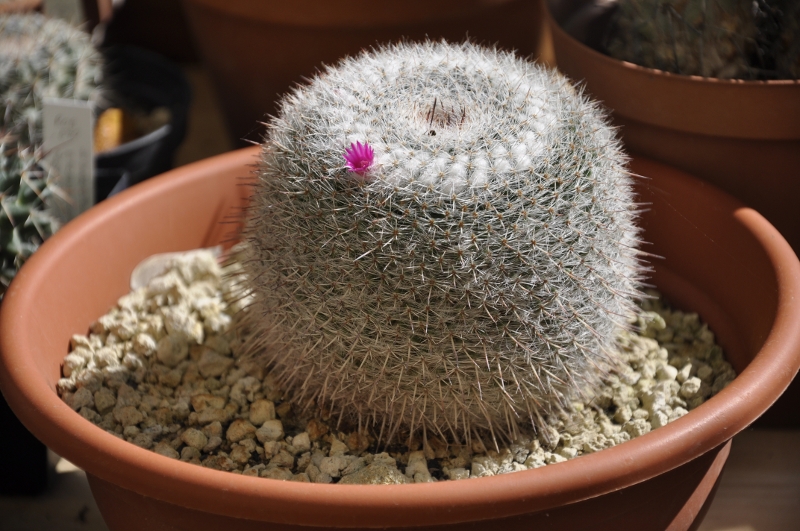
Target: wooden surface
760, 486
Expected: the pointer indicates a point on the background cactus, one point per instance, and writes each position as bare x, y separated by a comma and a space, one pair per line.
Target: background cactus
468, 270
727, 39
39, 58
25, 186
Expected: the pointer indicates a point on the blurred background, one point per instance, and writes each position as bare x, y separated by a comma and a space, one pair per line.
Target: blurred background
223, 65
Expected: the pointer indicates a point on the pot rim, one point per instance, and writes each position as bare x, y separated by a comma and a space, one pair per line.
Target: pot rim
772, 110
357, 14
20, 6
133, 468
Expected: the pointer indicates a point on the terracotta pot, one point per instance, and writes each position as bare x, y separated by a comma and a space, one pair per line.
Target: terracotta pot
256, 50
742, 136
20, 6
720, 259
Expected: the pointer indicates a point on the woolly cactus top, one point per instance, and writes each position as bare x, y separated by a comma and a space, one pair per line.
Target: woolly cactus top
433, 115
472, 273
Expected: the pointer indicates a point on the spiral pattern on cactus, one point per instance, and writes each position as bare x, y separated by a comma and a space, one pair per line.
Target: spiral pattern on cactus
475, 276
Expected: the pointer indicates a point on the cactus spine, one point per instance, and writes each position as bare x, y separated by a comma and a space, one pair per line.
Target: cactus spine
726, 39
474, 275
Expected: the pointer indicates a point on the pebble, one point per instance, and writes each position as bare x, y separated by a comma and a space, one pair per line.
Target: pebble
171, 350
194, 438
376, 474
212, 364
128, 416
239, 429
271, 430
161, 371
301, 441
338, 447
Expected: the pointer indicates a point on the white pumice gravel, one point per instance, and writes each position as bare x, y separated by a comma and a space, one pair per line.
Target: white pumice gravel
161, 371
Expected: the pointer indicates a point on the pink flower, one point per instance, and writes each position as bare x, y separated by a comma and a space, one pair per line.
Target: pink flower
359, 157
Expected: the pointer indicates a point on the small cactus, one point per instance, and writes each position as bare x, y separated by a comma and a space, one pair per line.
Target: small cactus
441, 240
726, 39
25, 187
42, 57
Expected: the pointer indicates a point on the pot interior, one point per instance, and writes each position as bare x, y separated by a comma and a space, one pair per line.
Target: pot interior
706, 257
707, 260
714, 257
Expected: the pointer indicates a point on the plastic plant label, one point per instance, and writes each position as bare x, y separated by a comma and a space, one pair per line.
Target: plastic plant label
68, 141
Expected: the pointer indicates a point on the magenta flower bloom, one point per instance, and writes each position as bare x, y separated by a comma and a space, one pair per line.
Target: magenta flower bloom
359, 157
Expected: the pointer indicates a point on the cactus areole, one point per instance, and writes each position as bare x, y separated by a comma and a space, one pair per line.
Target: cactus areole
442, 241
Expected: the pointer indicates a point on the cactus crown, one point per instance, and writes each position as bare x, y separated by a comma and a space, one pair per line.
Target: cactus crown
42, 57
726, 39
474, 276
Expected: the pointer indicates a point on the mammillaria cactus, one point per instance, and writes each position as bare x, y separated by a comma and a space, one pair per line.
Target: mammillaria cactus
442, 240
25, 186
726, 39
42, 57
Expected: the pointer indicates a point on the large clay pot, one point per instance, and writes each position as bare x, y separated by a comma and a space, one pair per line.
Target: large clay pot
719, 258
256, 50
742, 136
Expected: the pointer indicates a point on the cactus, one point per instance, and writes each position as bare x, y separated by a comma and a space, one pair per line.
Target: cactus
726, 39
25, 187
40, 58
441, 240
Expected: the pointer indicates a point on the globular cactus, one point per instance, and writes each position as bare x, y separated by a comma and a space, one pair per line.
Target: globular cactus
25, 188
42, 57
441, 240
726, 39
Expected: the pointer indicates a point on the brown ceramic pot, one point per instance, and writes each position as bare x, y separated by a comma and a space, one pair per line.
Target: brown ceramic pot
256, 50
742, 136
720, 259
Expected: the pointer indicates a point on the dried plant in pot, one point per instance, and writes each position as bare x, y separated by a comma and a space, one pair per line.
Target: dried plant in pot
741, 135
358, 163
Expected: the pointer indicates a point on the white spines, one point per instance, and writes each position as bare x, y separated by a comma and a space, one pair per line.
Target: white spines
476, 276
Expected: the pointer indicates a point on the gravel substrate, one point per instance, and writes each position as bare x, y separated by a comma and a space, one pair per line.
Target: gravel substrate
161, 371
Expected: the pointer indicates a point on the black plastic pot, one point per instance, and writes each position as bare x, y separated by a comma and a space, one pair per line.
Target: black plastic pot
144, 80
23, 470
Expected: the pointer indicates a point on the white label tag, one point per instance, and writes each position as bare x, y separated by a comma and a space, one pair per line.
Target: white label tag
68, 131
